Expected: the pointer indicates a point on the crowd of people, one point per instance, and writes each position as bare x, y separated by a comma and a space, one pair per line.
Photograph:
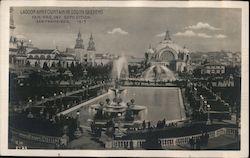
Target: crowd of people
199, 97
197, 143
144, 82
161, 124
45, 114
57, 126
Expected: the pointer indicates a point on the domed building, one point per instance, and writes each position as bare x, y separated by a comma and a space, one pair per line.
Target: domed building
169, 54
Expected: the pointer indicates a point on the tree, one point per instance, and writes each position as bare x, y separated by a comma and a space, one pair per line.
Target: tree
59, 65
53, 64
37, 64
27, 64
45, 66
72, 67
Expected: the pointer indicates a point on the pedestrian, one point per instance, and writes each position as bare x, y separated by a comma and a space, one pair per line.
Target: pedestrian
164, 122
206, 138
143, 124
191, 142
149, 125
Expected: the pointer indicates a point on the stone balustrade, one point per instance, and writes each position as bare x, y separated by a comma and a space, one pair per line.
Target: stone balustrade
166, 142
35, 137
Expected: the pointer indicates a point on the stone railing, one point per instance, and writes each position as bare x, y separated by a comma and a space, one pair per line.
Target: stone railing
35, 137
124, 144
166, 142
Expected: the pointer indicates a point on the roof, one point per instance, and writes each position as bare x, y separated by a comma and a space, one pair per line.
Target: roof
43, 51
13, 49
150, 51
172, 45
99, 55
65, 55
21, 55
135, 60
102, 56
214, 64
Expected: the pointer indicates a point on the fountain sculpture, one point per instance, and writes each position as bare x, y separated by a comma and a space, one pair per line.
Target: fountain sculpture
159, 72
127, 114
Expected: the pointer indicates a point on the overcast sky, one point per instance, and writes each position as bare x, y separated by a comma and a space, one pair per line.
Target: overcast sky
131, 30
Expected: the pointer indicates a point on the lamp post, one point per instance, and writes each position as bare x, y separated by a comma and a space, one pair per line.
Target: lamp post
30, 103
42, 100
55, 99
119, 121
201, 102
42, 103
208, 114
87, 91
195, 92
77, 118
205, 103
61, 94
83, 90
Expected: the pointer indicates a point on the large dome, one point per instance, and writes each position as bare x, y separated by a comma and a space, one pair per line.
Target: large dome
150, 50
169, 50
167, 44
169, 54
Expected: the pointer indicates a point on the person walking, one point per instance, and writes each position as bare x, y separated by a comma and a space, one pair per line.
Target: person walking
191, 142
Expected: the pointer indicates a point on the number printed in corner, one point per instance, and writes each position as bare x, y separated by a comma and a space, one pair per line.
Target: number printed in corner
22, 147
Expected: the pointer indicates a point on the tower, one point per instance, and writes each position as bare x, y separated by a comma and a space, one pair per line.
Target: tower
13, 40
91, 49
79, 41
12, 26
79, 47
167, 36
91, 46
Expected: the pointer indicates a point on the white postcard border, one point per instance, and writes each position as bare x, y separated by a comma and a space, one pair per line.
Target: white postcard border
4, 64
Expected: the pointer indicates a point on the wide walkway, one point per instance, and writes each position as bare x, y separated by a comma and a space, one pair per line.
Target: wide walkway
37, 103
221, 142
86, 142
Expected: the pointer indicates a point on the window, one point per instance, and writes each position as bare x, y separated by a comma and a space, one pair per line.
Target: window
48, 57
42, 57
167, 56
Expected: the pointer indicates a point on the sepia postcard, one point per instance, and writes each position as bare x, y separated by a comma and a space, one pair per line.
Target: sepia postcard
124, 78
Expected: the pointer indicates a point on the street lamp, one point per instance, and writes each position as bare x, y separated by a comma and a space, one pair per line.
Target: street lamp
208, 115
87, 91
83, 91
55, 99
195, 92
78, 114
61, 93
42, 100
77, 118
30, 103
119, 121
201, 101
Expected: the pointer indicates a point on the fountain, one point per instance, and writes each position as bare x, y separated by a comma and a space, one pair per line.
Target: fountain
127, 114
159, 72
120, 68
